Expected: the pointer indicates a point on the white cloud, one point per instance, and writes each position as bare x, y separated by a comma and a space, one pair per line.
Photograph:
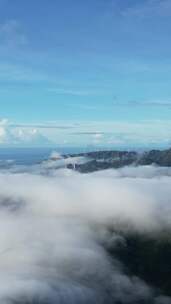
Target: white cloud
5, 135
21, 136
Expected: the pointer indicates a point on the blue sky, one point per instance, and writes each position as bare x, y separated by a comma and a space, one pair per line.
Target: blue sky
96, 65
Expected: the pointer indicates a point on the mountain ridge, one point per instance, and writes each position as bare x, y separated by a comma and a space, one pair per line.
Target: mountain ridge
101, 160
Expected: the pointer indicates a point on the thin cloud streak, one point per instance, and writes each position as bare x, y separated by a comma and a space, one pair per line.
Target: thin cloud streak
145, 103
41, 126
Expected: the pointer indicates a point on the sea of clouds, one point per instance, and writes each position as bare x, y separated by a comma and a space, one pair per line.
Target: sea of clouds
54, 230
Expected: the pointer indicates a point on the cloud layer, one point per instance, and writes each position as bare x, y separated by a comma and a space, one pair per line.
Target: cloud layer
54, 230
114, 134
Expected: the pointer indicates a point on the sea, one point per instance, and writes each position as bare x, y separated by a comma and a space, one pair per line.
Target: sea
31, 156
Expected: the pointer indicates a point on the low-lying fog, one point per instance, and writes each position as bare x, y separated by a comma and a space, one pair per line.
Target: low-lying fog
56, 232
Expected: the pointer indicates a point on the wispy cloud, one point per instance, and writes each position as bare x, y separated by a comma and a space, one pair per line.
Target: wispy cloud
11, 34
15, 73
42, 126
74, 92
89, 133
144, 103
149, 8
84, 90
